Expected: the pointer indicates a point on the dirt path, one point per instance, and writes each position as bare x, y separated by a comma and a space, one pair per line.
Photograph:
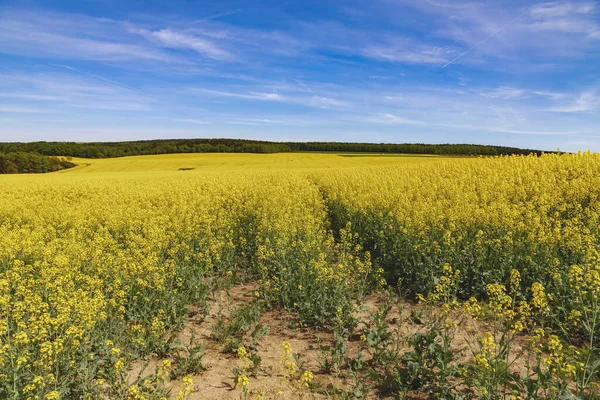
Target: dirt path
217, 382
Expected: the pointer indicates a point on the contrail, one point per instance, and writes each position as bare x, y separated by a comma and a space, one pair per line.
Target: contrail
218, 15
100, 78
488, 37
304, 86
447, 5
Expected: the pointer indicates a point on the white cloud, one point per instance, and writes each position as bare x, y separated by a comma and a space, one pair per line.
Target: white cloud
565, 17
72, 90
413, 54
248, 95
587, 101
308, 101
503, 92
38, 97
496, 30
560, 9
396, 120
254, 121
550, 95
70, 36
493, 128
115, 105
191, 121
326, 102
512, 93
19, 110
173, 39
569, 26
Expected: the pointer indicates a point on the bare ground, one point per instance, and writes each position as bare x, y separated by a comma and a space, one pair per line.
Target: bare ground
217, 382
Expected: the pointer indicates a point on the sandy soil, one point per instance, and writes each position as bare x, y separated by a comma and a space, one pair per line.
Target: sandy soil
217, 382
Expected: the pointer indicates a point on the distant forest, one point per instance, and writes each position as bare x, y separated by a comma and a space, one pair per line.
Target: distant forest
170, 146
22, 162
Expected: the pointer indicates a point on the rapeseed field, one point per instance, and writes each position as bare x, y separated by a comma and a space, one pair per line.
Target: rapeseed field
102, 265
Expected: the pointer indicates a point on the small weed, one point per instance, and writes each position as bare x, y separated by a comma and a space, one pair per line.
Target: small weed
243, 320
189, 361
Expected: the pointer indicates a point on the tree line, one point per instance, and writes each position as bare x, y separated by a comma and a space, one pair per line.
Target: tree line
411, 148
170, 146
22, 162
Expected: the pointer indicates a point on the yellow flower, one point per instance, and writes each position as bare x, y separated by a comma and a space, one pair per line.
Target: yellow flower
306, 378
290, 367
482, 361
29, 388
517, 326
449, 323
134, 391
241, 352
575, 317
243, 380
488, 343
499, 301
54, 395
186, 389
472, 307
119, 365
21, 338
540, 298
286, 348
515, 280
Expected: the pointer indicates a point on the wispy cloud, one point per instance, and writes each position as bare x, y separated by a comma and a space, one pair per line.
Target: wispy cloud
254, 121
380, 45
410, 53
550, 95
492, 30
587, 101
70, 36
164, 45
119, 105
556, 9
38, 97
327, 102
75, 91
503, 92
172, 39
566, 17
497, 129
20, 110
311, 100
247, 95
219, 15
397, 120
191, 121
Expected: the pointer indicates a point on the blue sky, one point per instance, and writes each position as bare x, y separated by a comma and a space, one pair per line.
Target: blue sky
515, 73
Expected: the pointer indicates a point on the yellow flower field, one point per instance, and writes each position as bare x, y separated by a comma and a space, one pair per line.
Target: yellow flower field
221, 162
100, 264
